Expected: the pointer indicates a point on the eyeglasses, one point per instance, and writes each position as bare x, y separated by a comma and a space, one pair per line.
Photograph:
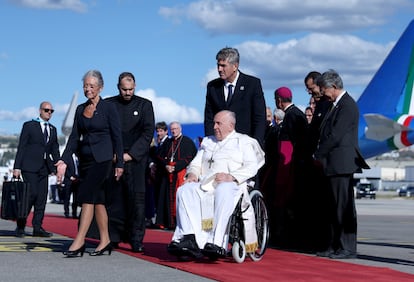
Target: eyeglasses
48, 110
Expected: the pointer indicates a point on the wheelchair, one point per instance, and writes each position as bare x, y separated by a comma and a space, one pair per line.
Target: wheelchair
236, 245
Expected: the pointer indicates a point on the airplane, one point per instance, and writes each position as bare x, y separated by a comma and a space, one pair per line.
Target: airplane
386, 105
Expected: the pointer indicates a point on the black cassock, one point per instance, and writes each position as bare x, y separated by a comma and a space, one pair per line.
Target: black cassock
181, 152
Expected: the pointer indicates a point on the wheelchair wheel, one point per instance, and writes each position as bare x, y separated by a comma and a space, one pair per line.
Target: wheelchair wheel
238, 251
262, 224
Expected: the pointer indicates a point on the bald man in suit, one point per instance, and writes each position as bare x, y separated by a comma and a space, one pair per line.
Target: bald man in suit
37, 152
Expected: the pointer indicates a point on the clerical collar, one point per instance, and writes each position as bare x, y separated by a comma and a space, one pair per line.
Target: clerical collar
285, 109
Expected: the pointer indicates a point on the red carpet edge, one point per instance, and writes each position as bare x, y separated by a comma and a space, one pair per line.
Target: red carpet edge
276, 265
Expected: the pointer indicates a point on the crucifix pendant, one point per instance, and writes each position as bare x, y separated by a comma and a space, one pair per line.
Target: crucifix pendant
210, 162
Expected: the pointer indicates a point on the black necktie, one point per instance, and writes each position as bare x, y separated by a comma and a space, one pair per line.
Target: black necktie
230, 93
45, 133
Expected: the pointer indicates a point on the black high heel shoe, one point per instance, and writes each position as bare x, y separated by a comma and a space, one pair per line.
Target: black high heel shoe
75, 253
102, 251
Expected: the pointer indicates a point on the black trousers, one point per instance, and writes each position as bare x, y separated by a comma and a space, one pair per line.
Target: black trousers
38, 196
125, 203
133, 182
344, 220
70, 188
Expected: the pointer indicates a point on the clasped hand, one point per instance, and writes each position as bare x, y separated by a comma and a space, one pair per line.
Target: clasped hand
170, 168
223, 177
61, 170
218, 178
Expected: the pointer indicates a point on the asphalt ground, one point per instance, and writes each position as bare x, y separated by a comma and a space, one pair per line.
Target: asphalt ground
385, 239
41, 259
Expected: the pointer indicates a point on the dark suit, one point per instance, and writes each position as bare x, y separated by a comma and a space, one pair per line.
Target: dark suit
247, 103
70, 186
137, 124
36, 158
96, 141
322, 107
104, 139
154, 180
339, 154
315, 196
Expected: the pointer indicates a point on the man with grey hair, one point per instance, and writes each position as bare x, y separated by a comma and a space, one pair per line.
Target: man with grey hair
278, 116
215, 180
173, 160
237, 92
339, 157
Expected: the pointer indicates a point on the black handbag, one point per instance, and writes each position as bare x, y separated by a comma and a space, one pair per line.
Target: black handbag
15, 199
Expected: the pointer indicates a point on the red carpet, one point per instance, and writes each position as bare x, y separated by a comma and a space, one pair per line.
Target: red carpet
275, 266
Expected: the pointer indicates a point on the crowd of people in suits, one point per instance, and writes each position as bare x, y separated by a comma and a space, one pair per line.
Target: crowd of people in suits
308, 184
126, 180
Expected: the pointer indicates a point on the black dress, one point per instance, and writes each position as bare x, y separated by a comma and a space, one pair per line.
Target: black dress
93, 175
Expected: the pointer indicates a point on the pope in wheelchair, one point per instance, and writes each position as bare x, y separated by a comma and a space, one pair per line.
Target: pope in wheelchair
215, 181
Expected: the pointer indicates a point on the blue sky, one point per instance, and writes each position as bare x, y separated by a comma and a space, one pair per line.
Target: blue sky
47, 45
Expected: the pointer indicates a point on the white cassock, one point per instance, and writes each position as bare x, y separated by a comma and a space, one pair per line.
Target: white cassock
204, 208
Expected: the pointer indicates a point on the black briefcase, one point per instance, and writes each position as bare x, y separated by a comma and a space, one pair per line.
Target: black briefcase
15, 199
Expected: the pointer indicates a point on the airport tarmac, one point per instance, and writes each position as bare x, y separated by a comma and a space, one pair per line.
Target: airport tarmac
384, 239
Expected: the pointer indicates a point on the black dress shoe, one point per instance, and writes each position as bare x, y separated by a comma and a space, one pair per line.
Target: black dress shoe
20, 232
213, 251
326, 253
137, 248
185, 247
173, 248
343, 254
41, 233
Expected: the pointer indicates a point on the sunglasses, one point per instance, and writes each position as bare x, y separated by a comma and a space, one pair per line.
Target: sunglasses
48, 110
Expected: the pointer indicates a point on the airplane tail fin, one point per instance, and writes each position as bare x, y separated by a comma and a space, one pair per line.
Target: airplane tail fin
390, 90
70, 115
387, 104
